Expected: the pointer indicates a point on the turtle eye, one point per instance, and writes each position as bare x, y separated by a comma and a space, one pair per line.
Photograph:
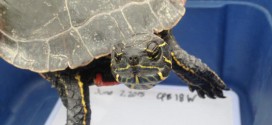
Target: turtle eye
153, 50
118, 56
118, 52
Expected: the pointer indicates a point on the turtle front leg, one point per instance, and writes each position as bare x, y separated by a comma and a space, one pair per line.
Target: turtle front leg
196, 74
74, 94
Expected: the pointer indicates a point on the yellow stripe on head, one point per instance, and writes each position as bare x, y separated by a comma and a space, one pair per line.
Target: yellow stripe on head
148, 50
149, 67
163, 44
119, 54
167, 60
161, 76
137, 79
120, 69
117, 77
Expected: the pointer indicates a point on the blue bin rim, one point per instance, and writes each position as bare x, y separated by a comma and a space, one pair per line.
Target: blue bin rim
216, 4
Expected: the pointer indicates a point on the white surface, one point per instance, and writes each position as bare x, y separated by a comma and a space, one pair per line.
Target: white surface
129, 107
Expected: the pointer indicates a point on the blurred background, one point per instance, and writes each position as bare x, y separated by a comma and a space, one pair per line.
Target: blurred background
234, 37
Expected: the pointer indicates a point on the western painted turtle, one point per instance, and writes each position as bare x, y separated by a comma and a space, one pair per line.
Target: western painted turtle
77, 43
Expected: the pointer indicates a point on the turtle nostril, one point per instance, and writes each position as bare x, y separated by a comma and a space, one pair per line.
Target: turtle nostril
133, 60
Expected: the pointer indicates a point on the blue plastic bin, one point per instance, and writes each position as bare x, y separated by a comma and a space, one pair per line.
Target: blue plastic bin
233, 37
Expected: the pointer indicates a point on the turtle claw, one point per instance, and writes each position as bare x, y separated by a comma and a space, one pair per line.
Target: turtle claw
226, 88
213, 92
210, 95
208, 90
219, 93
201, 94
192, 88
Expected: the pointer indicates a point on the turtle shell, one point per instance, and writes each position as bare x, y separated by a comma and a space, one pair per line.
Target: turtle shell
51, 35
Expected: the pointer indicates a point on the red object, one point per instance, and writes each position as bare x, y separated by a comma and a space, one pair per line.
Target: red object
98, 81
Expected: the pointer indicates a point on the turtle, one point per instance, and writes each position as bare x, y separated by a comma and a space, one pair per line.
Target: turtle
77, 43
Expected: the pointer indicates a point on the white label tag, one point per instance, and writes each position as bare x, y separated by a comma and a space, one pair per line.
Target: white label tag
161, 105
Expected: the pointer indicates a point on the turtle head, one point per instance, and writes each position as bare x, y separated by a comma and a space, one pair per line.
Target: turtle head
141, 62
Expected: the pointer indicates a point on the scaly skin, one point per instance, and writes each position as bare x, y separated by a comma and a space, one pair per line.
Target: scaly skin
74, 94
195, 73
72, 86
